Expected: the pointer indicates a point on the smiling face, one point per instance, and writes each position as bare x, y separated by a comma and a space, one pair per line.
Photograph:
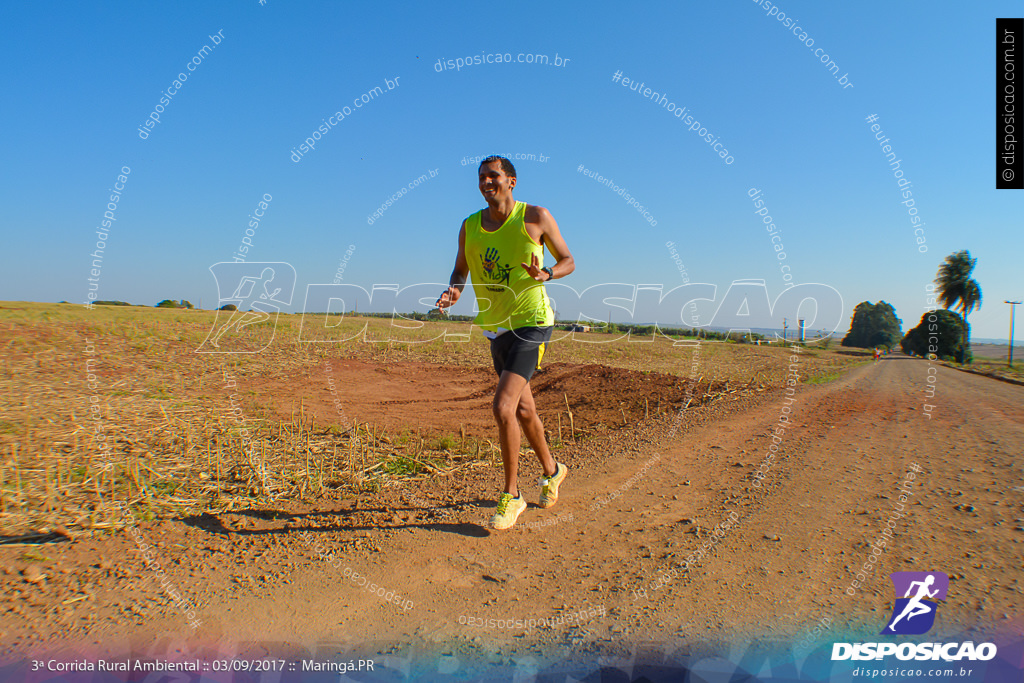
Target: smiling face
495, 185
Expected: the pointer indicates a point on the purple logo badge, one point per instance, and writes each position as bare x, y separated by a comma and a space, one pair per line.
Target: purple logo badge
917, 595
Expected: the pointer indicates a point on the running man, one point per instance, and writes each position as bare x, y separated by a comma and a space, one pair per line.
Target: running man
502, 247
915, 606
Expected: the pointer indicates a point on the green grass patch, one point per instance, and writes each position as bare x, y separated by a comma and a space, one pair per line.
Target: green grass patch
165, 487
158, 392
399, 465
444, 443
824, 378
32, 556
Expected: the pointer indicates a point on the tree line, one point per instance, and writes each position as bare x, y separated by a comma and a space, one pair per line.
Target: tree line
942, 332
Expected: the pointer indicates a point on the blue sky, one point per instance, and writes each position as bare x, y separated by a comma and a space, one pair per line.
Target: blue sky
82, 79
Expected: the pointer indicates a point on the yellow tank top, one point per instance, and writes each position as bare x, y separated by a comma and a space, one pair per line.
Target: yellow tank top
505, 293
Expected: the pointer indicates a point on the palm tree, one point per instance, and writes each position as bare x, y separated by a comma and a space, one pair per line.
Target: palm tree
956, 287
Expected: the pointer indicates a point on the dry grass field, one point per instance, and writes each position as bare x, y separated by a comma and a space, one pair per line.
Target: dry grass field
257, 480
116, 404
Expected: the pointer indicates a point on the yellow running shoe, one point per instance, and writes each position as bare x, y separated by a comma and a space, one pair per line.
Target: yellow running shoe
549, 485
509, 509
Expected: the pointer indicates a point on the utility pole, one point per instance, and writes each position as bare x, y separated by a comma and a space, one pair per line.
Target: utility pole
785, 325
1013, 309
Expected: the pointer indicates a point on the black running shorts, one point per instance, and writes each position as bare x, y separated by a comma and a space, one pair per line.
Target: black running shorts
520, 350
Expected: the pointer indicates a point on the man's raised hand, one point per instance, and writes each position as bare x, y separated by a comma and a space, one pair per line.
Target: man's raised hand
534, 269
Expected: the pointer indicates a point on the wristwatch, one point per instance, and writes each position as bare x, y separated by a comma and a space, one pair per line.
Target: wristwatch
551, 273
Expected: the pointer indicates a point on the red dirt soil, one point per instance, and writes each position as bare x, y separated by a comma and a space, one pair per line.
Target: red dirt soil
638, 501
435, 398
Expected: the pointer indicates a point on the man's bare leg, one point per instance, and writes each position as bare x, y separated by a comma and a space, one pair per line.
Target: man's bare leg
534, 430
505, 407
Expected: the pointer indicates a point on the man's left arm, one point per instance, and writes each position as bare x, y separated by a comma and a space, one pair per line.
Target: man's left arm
552, 237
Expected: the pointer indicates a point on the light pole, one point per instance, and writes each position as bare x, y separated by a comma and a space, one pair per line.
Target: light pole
1013, 309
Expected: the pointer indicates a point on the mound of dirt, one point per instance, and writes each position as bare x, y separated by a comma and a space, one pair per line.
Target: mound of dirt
439, 399
603, 396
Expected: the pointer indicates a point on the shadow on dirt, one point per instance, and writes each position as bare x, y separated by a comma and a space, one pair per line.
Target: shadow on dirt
214, 524
37, 538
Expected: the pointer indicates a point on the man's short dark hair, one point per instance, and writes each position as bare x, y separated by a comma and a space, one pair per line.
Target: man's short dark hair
506, 165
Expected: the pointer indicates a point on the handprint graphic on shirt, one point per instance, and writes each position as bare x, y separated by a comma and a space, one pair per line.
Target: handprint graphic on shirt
490, 260
492, 269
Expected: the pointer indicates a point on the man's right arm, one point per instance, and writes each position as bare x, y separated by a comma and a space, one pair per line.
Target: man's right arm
460, 273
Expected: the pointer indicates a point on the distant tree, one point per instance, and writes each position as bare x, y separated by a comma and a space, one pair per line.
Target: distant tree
168, 303
112, 303
185, 304
873, 325
958, 290
229, 307
940, 332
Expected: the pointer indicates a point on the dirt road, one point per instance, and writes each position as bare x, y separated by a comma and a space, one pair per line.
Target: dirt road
598, 567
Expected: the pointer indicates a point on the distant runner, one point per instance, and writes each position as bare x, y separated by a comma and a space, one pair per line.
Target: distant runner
502, 247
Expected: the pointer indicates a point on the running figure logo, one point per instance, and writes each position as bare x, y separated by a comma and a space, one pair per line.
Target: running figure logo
258, 291
914, 612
